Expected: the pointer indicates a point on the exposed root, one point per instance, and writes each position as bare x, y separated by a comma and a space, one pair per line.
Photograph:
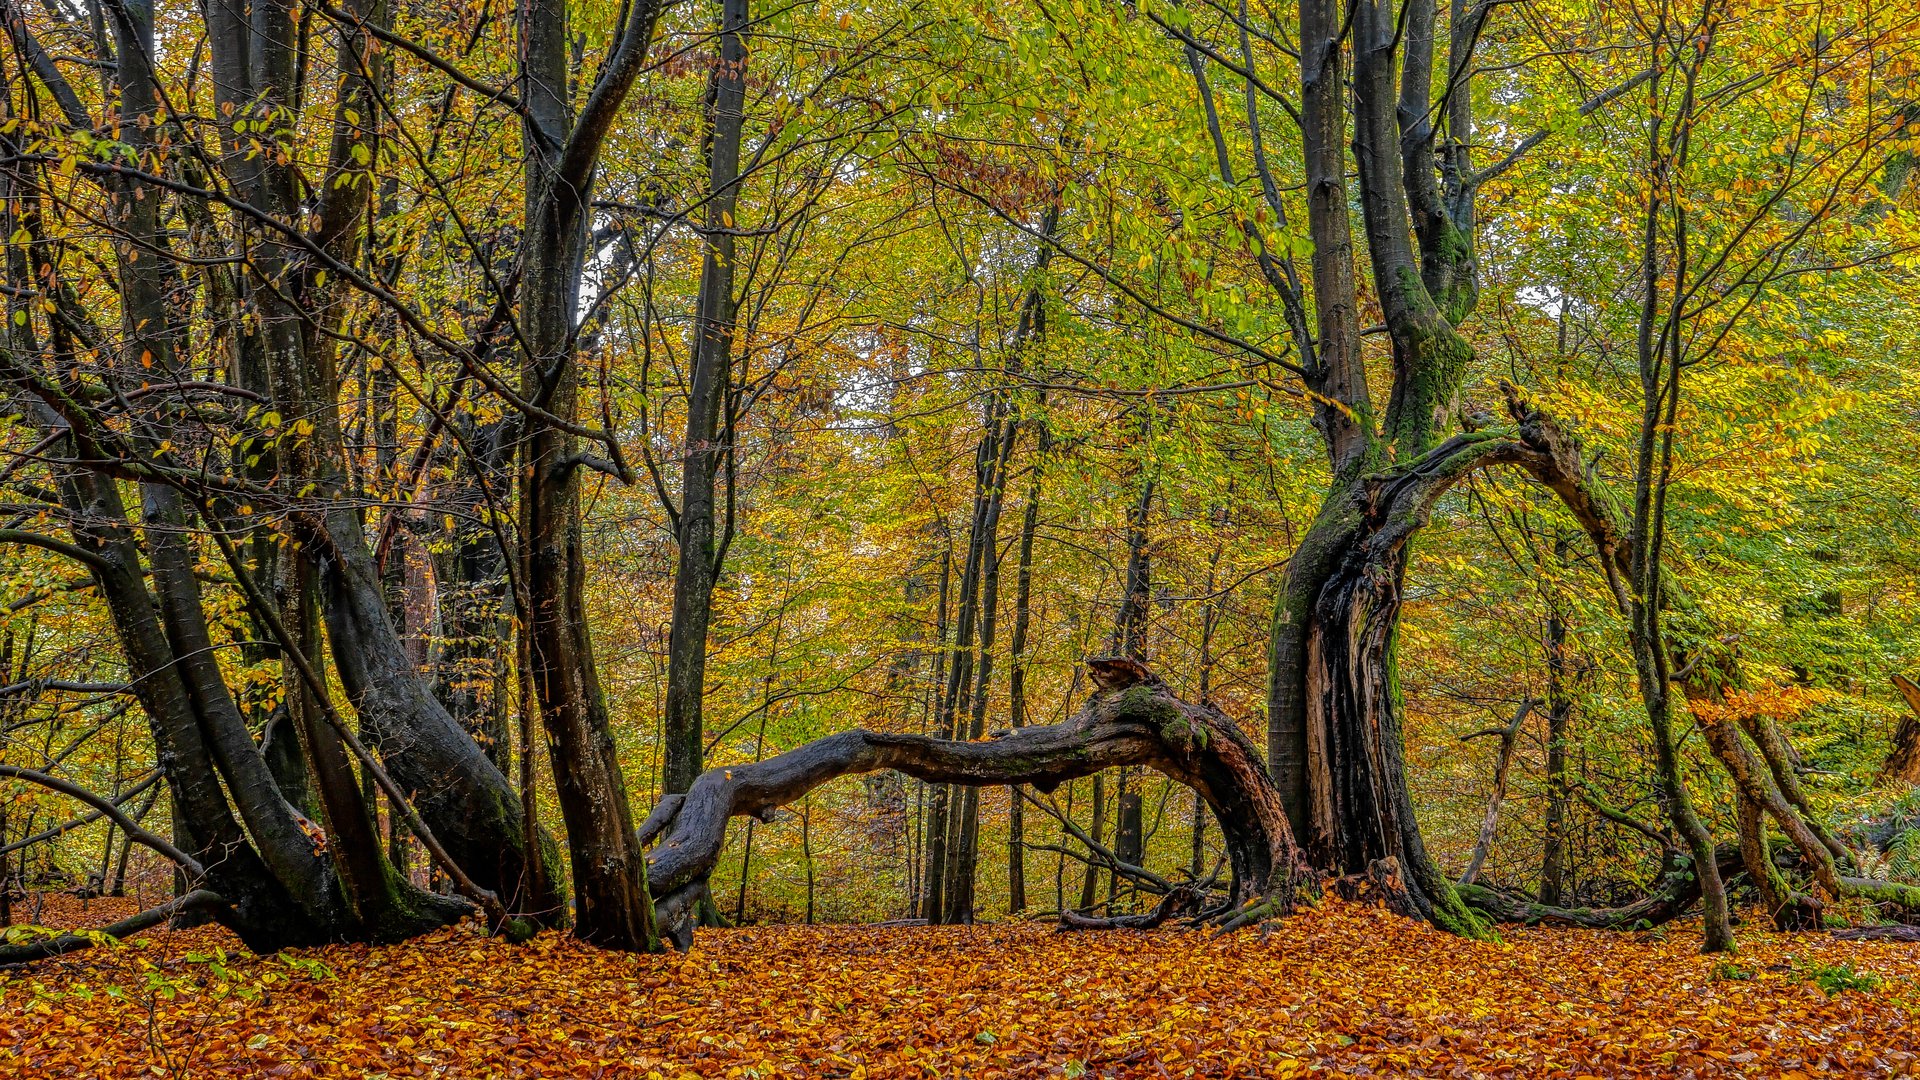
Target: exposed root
1256, 911
1181, 900
1384, 882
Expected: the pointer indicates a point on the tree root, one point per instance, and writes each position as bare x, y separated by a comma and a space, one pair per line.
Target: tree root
1384, 882
1181, 900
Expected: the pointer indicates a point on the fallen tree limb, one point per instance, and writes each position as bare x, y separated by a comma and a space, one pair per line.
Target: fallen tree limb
1895, 932
1180, 900
1131, 719
29, 952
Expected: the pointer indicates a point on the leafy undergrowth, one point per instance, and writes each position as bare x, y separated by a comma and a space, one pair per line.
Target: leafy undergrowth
1344, 988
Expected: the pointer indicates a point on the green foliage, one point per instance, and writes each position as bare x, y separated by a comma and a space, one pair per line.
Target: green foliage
1836, 979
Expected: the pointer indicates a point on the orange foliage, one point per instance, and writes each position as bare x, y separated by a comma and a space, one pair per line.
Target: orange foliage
1344, 988
1778, 702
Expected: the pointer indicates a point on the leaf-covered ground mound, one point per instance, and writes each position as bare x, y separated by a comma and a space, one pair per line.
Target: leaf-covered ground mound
1344, 989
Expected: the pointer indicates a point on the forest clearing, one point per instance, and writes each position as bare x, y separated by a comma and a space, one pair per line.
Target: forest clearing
752, 538
1345, 990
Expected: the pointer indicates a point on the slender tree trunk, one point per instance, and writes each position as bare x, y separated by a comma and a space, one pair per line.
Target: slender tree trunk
1553, 853
947, 816
760, 743
702, 547
1017, 669
1659, 348
611, 903
806, 852
934, 829
964, 854
1089, 885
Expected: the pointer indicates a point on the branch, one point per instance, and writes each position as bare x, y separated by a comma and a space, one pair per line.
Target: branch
1620, 817
38, 686
58, 547
1593, 105
140, 836
577, 161
432, 59
1134, 294
1508, 736
85, 819
1103, 854
197, 900
44, 69
1132, 719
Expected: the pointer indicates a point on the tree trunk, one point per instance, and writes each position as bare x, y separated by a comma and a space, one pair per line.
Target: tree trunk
965, 852
1089, 885
611, 906
1553, 848
701, 545
1017, 669
946, 817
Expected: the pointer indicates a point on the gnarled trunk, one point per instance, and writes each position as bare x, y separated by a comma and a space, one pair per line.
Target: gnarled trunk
1132, 719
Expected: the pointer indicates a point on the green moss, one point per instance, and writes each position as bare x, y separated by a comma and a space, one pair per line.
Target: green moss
1453, 916
1887, 892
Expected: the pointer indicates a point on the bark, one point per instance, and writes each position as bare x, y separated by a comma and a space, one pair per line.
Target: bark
964, 846
1553, 849
562, 149
944, 826
1755, 785
1789, 910
1181, 901
462, 796
702, 546
1659, 354
970, 676
1132, 719
1902, 766
1360, 812
1090, 884
1017, 671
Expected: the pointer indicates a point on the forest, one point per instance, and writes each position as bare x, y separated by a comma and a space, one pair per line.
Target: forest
1054, 537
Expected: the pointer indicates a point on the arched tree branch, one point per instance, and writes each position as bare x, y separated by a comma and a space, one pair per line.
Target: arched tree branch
140, 836
1131, 719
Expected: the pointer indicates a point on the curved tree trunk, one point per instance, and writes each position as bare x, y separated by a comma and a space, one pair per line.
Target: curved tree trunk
1132, 719
1353, 805
1358, 809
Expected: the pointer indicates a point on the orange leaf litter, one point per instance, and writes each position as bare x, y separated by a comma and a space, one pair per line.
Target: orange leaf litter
1343, 989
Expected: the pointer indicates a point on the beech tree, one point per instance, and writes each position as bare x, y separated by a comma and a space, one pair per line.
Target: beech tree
255, 248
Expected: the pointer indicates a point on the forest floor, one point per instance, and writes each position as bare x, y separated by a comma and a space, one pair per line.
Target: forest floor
1341, 989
